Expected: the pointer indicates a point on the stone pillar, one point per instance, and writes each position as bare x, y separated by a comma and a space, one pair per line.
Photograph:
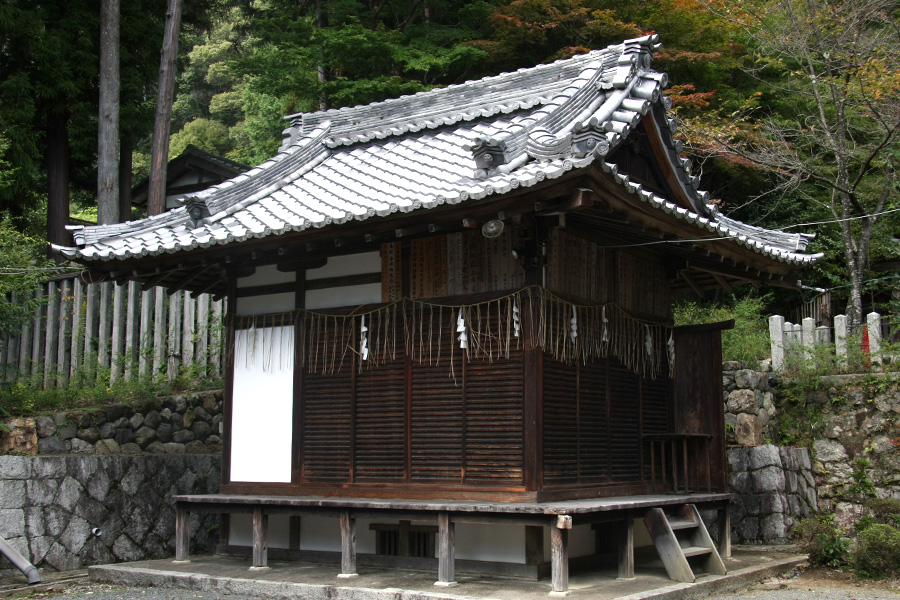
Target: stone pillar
807, 337
823, 335
776, 334
840, 340
873, 320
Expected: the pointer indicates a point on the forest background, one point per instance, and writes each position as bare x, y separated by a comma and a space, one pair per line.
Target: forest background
745, 88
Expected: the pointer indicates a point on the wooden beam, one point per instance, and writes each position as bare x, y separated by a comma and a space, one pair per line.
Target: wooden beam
689, 280
446, 551
342, 281
725, 529
182, 534
559, 556
721, 281
348, 546
260, 539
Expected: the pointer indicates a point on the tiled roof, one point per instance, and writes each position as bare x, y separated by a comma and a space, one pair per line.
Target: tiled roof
444, 146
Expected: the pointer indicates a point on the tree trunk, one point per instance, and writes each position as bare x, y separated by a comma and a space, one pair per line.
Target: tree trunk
156, 201
322, 23
126, 153
58, 179
108, 126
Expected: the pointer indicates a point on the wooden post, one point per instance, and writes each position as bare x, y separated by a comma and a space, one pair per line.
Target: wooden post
174, 338
626, 547
201, 356
187, 330
132, 322
182, 534
103, 331
216, 338
78, 326
159, 331
65, 331
117, 359
260, 539
37, 337
51, 339
559, 555
348, 546
725, 530
446, 551
24, 349
92, 301
145, 339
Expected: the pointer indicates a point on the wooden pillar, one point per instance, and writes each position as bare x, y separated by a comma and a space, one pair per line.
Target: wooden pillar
559, 555
446, 551
725, 530
182, 534
348, 545
260, 539
626, 547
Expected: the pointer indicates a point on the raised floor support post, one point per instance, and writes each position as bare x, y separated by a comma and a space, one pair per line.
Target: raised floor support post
348, 545
559, 555
626, 547
260, 539
724, 519
446, 551
182, 534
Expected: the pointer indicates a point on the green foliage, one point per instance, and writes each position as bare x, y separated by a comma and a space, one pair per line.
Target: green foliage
23, 267
823, 541
749, 340
878, 551
884, 510
861, 482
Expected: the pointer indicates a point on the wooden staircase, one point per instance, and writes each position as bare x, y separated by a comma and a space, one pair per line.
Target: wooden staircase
680, 537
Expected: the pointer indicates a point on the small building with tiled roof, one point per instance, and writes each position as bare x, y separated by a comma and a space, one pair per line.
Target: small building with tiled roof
457, 304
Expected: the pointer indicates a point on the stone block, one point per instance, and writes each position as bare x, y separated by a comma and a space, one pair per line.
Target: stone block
165, 415
144, 436
12, 493
98, 417
91, 435
774, 529
114, 412
200, 414
764, 456
177, 422
201, 430
768, 479
82, 447
187, 419
38, 547
91, 511
67, 430
95, 552
195, 447
12, 522
152, 419
69, 494
61, 559
752, 504
791, 485
211, 404
131, 448
15, 467
748, 430
738, 459
41, 492
746, 379
741, 401
76, 533
772, 503
183, 436
55, 520
34, 522
214, 444
125, 550
133, 479
829, 451
21, 439
740, 482
107, 431
46, 426
51, 445
155, 448
124, 436
731, 365
136, 421
748, 529
174, 448
106, 447
99, 485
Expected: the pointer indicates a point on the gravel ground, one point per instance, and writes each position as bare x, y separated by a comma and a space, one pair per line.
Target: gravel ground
811, 584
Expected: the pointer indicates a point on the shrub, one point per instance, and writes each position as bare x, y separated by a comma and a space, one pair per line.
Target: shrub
878, 551
749, 340
885, 510
823, 541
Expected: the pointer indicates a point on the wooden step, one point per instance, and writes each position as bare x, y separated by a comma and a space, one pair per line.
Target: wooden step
679, 523
696, 551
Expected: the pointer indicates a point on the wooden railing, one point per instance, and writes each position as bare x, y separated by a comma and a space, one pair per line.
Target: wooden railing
88, 331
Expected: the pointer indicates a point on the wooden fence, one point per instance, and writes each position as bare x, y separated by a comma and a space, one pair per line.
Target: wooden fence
87, 332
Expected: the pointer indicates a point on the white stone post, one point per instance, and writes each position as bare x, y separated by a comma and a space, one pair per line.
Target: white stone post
776, 335
823, 335
807, 337
840, 340
873, 319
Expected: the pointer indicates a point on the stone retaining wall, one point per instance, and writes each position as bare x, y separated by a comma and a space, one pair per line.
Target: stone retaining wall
749, 403
773, 487
68, 512
180, 424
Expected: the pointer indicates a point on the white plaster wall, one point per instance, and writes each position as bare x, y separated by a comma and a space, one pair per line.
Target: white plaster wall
240, 531
349, 264
262, 405
501, 543
261, 305
266, 275
350, 295
321, 533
